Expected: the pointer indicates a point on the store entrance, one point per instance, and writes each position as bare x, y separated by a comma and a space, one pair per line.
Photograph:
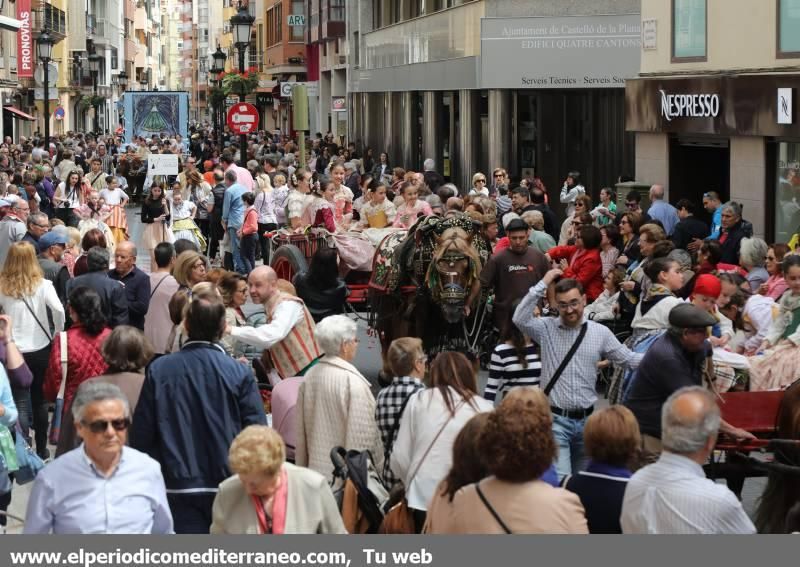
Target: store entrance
698, 165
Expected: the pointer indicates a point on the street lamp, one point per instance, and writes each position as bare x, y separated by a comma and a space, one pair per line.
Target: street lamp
218, 66
94, 69
44, 49
122, 80
242, 24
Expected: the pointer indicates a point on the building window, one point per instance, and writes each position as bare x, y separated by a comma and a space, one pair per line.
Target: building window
336, 13
279, 21
114, 58
356, 50
689, 30
270, 27
787, 211
788, 22
298, 32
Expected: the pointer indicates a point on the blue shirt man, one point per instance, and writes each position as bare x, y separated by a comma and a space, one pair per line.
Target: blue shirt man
233, 209
662, 211
713, 205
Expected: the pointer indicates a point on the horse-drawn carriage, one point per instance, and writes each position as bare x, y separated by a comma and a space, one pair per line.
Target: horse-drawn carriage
418, 284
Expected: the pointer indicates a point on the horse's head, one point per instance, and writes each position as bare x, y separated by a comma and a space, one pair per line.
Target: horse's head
454, 268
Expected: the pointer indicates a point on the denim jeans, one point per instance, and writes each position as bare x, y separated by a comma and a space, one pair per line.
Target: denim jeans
568, 433
247, 251
238, 265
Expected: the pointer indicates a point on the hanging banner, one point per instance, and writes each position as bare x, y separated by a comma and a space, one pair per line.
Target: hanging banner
25, 62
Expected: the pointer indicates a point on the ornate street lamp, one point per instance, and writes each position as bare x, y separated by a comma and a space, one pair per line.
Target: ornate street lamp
44, 50
122, 80
218, 59
242, 24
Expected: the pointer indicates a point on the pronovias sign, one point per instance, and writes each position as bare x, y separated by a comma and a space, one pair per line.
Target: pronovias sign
575, 52
689, 105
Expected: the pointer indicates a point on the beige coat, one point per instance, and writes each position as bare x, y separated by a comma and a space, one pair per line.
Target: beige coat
335, 407
528, 508
310, 506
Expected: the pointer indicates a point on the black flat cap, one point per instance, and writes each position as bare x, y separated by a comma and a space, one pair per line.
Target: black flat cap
687, 316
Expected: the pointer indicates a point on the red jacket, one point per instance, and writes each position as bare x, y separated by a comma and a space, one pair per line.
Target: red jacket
584, 266
83, 362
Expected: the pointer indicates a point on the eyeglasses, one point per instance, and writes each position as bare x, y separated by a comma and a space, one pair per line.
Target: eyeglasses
101, 425
632, 205
576, 223
574, 304
48, 226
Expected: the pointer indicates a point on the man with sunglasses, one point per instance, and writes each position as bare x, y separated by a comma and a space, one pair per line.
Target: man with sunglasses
103, 486
571, 347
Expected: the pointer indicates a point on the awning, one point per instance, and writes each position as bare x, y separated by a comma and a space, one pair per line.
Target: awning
18, 113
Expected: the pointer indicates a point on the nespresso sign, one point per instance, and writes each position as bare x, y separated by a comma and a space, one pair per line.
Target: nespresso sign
688, 105
726, 106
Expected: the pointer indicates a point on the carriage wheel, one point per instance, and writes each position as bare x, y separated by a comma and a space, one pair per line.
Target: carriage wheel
288, 261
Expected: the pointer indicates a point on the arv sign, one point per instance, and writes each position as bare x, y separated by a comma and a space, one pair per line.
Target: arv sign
25, 62
689, 105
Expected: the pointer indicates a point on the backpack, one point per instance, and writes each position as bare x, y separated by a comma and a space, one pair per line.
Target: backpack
357, 469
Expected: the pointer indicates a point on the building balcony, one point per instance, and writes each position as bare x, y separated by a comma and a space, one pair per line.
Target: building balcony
106, 33
326, 21
79, 77
91, 24
50, 18
449, 34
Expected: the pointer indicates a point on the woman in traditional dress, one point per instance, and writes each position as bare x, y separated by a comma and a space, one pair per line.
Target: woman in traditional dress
342, 198
156, 217
319, 213
377, 211
116, 198
183, 225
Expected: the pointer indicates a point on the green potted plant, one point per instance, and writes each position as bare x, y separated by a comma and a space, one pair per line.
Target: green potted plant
234, 82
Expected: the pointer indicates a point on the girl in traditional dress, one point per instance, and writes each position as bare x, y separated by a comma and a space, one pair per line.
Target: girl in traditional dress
298, 201
319, 212
342, 198
95, 214
777, 367
411, 208
116, 198
183, 225
155, 215
377, 211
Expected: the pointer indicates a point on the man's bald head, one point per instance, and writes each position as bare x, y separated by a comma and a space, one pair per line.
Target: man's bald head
128, 247
656, 192
262, 284
690, 420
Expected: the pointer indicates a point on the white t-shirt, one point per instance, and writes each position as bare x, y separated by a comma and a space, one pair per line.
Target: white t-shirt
114, 197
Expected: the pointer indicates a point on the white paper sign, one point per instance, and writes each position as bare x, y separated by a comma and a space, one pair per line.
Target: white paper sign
162, 164
649, 34
785, 106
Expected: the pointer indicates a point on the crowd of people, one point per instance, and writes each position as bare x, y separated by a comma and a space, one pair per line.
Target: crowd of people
204, 419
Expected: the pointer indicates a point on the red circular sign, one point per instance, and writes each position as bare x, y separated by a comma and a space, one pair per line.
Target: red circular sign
243, 118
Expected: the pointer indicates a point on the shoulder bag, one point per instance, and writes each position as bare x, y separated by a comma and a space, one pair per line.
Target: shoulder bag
400, 519
560, 370
55, 426
29, 462
32, 312
491, 509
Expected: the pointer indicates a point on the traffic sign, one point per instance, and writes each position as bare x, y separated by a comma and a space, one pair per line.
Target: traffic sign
59, 113
243, 118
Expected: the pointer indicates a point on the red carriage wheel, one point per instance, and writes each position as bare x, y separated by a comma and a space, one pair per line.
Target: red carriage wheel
288, 261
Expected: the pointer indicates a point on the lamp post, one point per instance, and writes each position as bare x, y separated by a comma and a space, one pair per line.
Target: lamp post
94, 69
122, 81
242, 24
218, 67
44, 49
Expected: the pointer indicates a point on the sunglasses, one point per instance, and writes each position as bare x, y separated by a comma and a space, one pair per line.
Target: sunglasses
498, 175
631, 205
480, 181
101, 425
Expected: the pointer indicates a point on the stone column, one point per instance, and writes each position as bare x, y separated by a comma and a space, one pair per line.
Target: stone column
468, 138
409, 129
431, 118
499, 129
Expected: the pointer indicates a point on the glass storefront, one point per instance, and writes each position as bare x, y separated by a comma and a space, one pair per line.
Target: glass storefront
787, 191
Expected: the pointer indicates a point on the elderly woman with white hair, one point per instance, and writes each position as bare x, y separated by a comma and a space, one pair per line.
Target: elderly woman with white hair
270, 496
335, 405
538, 238
753, 257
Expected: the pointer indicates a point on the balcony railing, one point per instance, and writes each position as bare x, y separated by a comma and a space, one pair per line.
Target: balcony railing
326, 20
79, 77
49, 18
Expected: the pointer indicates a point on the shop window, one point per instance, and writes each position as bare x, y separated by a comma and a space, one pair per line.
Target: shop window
689, 30
788, 23
298, 32
787, 196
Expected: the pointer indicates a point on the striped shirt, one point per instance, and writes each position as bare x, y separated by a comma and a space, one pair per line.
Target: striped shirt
673, 496
576, 388
506, 370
